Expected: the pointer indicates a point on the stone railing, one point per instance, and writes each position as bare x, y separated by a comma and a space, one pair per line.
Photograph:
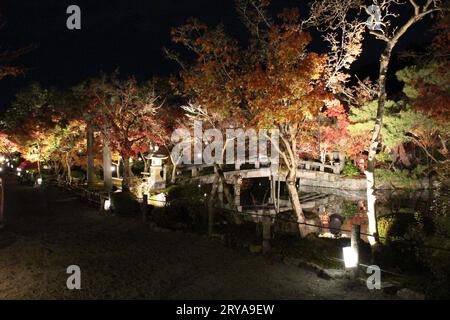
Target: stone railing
336, 168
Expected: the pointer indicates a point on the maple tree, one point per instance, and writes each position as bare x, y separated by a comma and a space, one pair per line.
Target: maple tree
333, 132
127, 116
342, 14
210, 84
284, 90
6, 145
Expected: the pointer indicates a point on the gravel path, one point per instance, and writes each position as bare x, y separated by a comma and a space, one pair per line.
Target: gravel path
120, 258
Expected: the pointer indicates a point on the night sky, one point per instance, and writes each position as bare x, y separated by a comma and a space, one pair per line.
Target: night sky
128, 35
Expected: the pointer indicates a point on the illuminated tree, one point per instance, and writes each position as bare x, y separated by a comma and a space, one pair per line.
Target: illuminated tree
127, 116
210, 84
340, 14
284, 91
6, 145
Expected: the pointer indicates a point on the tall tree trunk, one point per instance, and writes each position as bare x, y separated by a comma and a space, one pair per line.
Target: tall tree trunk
127, 174
146, 167
291, 162
291, 182
90, 156
174, 169
375, 141
107, 172
419, 13
173, 178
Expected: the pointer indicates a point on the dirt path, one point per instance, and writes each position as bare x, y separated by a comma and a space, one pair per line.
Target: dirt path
48, 230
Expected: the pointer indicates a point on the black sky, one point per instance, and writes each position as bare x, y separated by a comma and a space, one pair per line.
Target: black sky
125, 34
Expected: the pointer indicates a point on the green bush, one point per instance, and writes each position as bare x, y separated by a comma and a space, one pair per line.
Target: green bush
401, 237
76, 174
350, 209
137, 167
438, 263
193, 194
398, 179
350, 170
124, 203
161, 217
185, 204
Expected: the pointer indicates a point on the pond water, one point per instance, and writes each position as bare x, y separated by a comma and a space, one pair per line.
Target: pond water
414, 229
427, 211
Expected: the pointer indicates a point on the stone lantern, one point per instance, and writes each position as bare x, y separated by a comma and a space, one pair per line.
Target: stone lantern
158, 172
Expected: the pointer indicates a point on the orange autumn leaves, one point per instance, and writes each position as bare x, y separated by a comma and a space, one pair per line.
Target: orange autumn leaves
280, 83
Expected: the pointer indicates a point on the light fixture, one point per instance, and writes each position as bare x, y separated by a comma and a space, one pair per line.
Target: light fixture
158, 200
39, 181
350, 257
19, 170
107, 205
113, 168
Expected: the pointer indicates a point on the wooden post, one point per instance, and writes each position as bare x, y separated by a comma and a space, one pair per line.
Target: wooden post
267, 232
237, 194
355, 239
144, 207
220, 193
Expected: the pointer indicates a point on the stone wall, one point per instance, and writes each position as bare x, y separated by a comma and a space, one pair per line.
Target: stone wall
329, 180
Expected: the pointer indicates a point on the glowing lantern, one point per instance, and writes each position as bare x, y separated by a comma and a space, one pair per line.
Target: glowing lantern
350, 257
107, 205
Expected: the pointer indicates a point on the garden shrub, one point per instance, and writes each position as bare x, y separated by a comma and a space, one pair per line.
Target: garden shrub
350, 170
185, 204
76, 174
349, 209
161, 217
438, 264
124, 203
401, 236
137, 167
398, 179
